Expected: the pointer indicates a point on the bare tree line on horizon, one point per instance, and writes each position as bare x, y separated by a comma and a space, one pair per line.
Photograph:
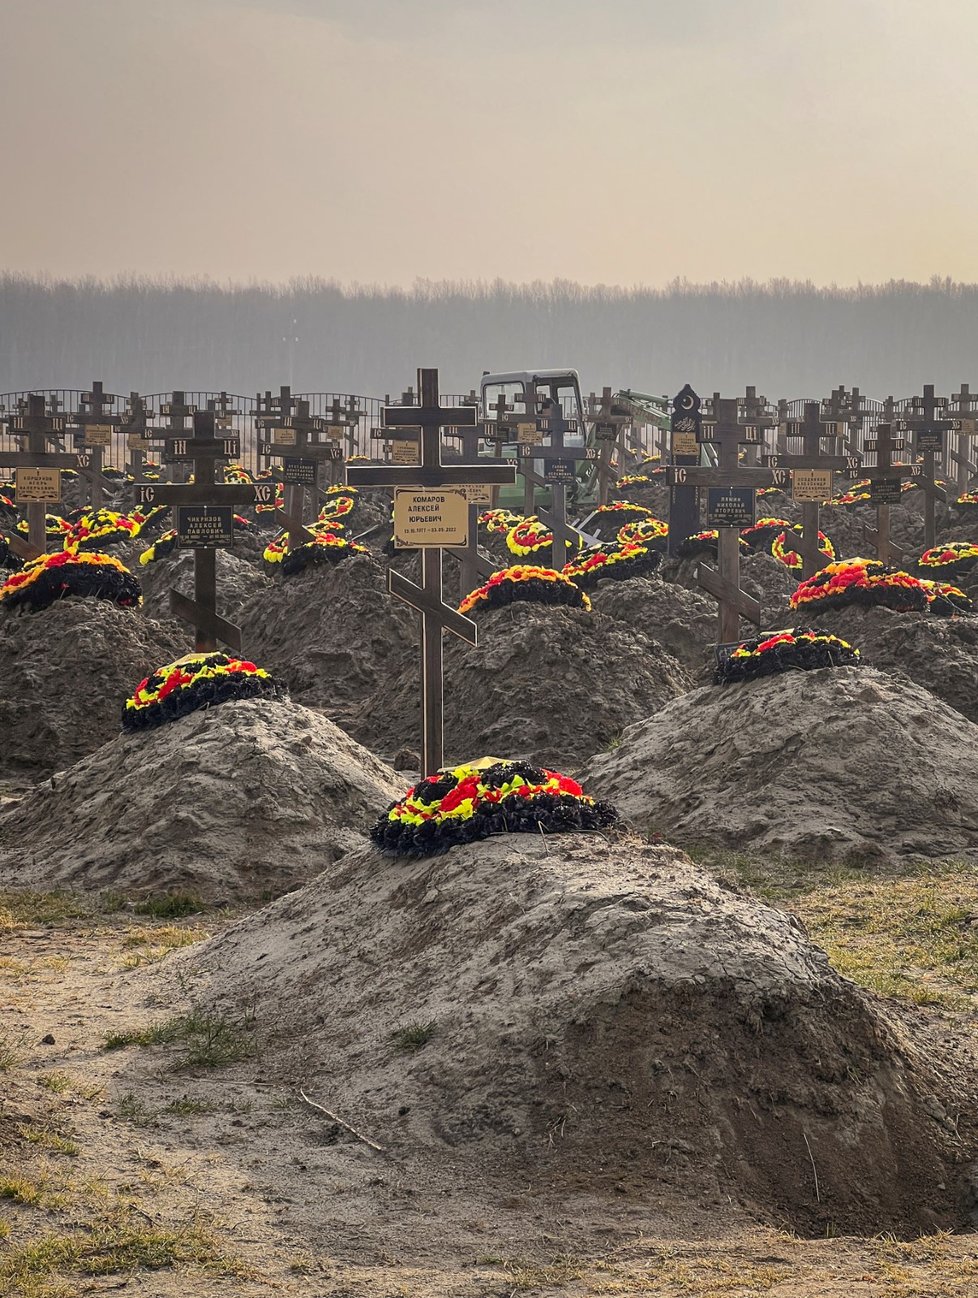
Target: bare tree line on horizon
790, 339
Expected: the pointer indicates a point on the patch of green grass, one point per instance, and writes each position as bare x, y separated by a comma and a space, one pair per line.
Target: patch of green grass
61, 1083
172, 905
914, 938
105, 1249
132, 1109
47, 909
413, 1036
209, 1039
50, 1140
9, 1054
187, 1106
20, 1189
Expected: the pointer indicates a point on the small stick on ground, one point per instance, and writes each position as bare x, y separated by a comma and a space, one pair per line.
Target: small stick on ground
345, 1125
818, 1197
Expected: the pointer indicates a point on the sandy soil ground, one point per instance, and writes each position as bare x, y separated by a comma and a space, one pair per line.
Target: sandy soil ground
182, 1177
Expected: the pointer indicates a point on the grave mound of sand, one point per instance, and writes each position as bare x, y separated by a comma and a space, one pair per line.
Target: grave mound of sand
682, 621
334, 635
599, 1017
64, 674
841, 764
246, 799
940, 653
546, 683
238, 581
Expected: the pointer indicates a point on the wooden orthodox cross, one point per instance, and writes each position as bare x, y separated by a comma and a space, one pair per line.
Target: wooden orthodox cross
929, 435
96, 433
176, 412
731, 489
609, 426
343, 424
37, 471
134, 424
811, 481
205, 522
756, 413
964, 414
296, 439
884, 489
424, 501
559, 469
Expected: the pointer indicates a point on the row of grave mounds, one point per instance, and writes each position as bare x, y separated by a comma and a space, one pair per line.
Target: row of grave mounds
843, 765
599, 1018
547, 683
233, 803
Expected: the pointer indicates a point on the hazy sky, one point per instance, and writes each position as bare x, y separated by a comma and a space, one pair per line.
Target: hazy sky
630, 141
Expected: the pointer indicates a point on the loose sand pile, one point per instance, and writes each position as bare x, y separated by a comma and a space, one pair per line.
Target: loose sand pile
841, 764
64, 675
596, 1017
548, 683
243, 800
334, 635
939, 653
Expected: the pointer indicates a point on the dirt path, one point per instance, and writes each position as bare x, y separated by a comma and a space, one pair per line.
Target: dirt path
170, 1168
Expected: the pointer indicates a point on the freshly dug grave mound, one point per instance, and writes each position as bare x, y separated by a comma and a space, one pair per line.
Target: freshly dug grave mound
939, 653
334, 635
246, 799
846, 525
682, 621
64, 674
548, 684
599, 1018
843, 764
762, 577
238, 581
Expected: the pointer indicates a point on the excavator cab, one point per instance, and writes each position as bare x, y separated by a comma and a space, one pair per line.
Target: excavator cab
525, 393
525, 396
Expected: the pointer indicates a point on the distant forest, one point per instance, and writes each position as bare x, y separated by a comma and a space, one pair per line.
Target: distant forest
789, 339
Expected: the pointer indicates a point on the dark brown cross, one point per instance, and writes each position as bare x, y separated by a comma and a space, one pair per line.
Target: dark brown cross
343, 422
929, 437
429, 418
176, 412
134, 424
819, 485
205, 522
964, 413
731, 489
35, 427
884, 488
559, 469
301, 444
756, 413
609, 422
96, 425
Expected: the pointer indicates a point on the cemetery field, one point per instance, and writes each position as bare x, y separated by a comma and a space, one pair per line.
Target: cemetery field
145, 1150
474, 846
